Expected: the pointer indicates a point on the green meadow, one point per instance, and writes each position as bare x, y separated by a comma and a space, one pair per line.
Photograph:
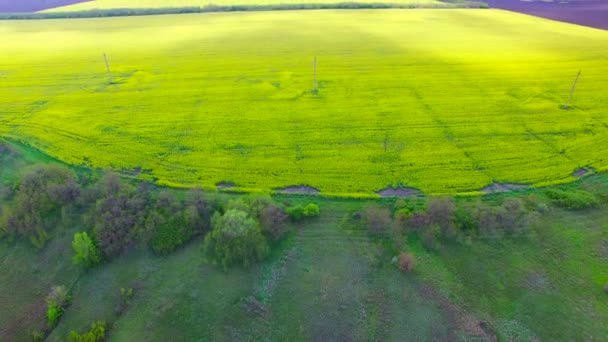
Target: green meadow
445, 101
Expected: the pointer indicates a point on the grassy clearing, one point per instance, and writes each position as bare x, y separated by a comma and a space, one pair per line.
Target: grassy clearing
329, 281
444, 101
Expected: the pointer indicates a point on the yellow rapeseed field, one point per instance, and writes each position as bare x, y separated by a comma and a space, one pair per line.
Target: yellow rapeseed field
446, 101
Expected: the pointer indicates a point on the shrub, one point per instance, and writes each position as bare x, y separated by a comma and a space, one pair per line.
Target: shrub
406, 262
311, 210
441, 211
167, 226
572, 199
39, 196
85, 249
465, 220
119, 216
430, 237
299, 212
296, 213
378, 220
97, 333
56, 302
273, 220
235, 239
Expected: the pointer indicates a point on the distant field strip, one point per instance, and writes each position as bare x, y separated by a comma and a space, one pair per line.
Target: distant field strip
112, 4
446, 101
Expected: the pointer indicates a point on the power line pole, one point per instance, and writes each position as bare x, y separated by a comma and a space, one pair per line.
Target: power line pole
572, 90
314, 75
105, 58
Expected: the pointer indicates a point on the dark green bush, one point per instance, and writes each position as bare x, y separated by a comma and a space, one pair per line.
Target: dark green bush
572, 199
236, 238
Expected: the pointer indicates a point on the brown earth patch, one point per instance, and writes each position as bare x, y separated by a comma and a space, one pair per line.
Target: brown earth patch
583, 171
602, 249
538, 281
593, 13
398, 192
460, 318
298, 189
503, 187
17, 6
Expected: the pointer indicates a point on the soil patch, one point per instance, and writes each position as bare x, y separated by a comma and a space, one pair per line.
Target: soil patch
503, 187
593, 13
399, 192
460, 318
225, 185
19, 6
298, 189
583, 171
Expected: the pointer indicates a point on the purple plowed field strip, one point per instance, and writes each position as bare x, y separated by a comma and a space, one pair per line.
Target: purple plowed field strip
592, 13
16, 6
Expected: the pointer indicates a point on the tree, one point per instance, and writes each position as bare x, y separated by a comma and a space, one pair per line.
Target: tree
85, 249
273, 220
378, 220
441, 211
40, 194
236, 238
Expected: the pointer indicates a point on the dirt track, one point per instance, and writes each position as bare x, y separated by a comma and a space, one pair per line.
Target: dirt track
15, 6
592, 13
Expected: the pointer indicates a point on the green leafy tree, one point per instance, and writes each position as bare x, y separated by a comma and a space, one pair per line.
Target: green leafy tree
87, 254
236, 238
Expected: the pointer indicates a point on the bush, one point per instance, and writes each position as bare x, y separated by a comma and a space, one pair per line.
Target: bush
406, 262
296, 213
56, 302
235, 239
119, 215
441, 211
39, 197
430, 237
299, 212
85, 249
97, 333
167, 225
311, 210
274, 222
378, 220
572, 199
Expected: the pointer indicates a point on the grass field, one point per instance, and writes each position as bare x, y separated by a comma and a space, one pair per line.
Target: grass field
328, 281
446, 101
111, 4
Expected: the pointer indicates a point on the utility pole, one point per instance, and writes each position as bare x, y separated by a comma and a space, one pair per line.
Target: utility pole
572, 90
314, 75
105, 58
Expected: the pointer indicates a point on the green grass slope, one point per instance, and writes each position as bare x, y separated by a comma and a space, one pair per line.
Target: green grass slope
446, 101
